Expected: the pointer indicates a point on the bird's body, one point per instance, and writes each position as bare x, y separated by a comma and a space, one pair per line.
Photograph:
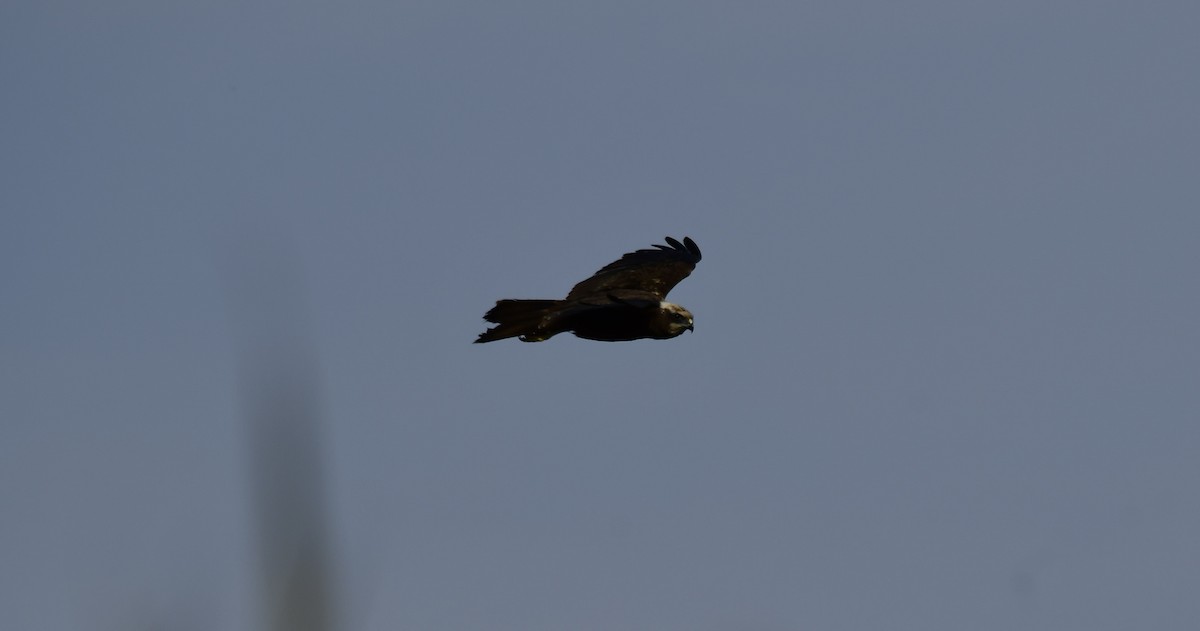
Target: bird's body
623, 301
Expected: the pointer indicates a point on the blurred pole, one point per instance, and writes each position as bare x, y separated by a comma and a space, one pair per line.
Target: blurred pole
279, 390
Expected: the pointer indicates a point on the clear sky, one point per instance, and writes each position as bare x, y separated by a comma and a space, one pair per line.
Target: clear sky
946, 366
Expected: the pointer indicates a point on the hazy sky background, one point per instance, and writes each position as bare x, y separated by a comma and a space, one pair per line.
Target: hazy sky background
946, 366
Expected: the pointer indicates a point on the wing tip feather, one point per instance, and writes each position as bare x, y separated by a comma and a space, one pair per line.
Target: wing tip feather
688, 247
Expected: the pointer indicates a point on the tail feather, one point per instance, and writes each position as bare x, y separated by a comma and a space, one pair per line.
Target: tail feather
517, 318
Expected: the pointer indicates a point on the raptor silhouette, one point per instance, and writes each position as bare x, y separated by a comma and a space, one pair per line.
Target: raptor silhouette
623, 301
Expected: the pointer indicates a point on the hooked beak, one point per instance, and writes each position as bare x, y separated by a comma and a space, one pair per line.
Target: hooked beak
691, 327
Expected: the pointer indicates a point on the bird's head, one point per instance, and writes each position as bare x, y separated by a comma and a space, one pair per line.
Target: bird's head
678, 319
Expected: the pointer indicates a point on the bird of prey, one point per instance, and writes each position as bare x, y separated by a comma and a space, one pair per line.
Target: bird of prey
623, 301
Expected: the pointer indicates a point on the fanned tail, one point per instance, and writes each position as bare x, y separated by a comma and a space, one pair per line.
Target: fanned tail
517, 318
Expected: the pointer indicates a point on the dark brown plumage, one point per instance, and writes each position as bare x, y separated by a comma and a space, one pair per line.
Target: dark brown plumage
623, 301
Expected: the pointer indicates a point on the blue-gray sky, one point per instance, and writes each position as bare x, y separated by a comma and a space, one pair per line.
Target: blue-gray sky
945, 368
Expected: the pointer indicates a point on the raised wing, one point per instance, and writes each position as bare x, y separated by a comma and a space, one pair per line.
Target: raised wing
655, 271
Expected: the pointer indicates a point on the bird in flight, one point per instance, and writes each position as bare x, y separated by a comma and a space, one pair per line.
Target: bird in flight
623, 301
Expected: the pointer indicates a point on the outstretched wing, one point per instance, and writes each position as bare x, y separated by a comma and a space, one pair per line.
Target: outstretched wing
655, 271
